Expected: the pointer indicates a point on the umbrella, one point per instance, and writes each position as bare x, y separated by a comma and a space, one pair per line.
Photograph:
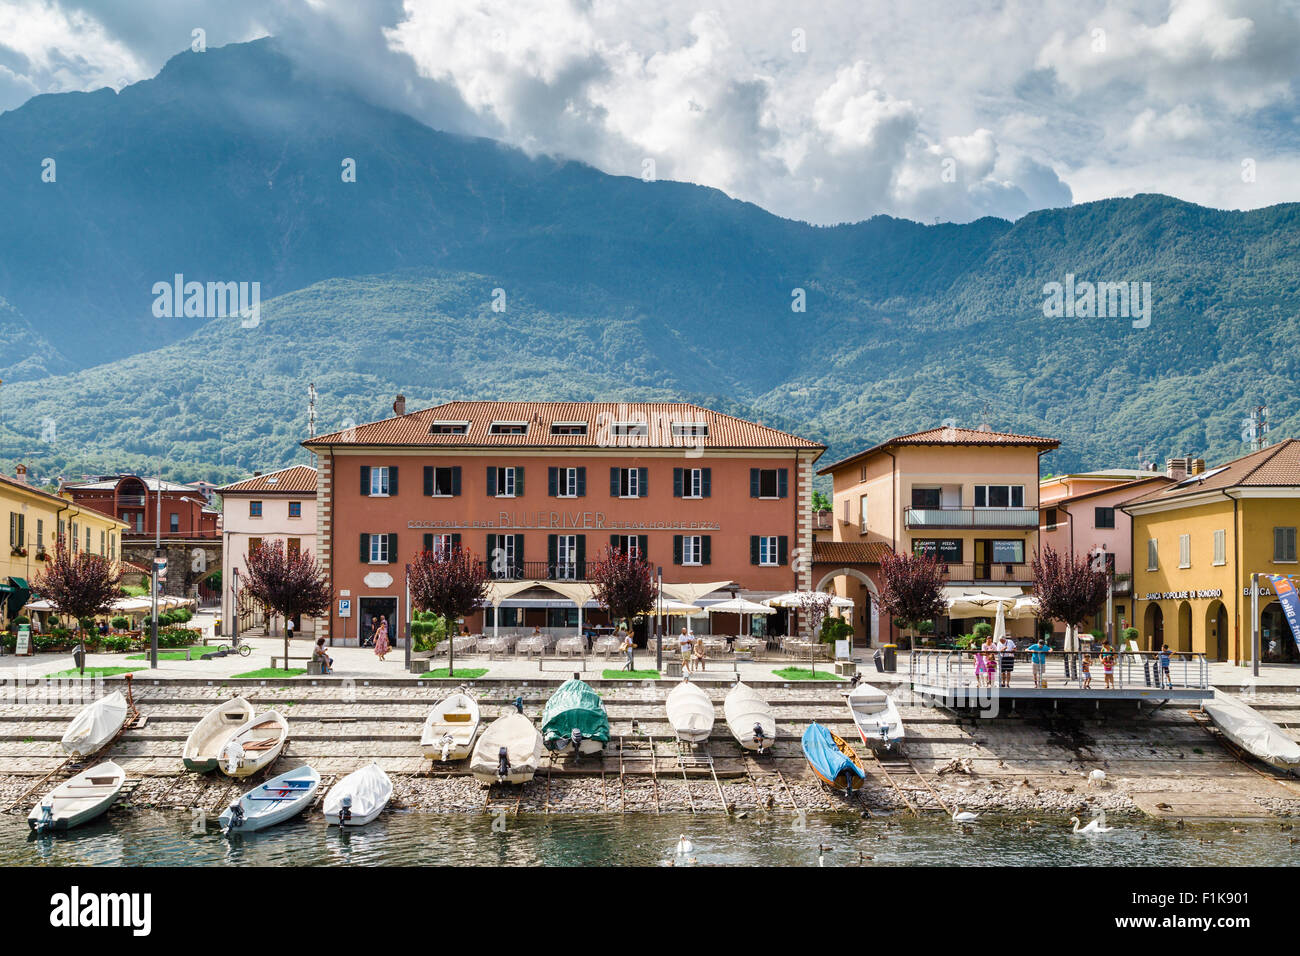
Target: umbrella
796, 599
1000, 625
739, 606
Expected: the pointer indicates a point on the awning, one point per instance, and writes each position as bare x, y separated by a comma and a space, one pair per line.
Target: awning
575, 593
19, 592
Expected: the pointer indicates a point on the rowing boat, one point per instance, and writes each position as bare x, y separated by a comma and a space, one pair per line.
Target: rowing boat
831, 759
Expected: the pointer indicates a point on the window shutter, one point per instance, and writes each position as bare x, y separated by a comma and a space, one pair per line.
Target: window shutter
455, 480
753, 482
613, 542
392, 480
552, 554
428, 481
643, 486
582, 557
519, 481
365, 549
491, 481
783, 550
519, 554
428, 542
392, 548
365, 481
753, 549
705, 481
553, 481
582, 482
677, 549
677, 483
706, 548
782, 482
614, 483
491, 552
455, 542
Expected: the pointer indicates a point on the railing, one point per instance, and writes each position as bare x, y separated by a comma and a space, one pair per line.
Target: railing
130, 501
207, 535
937, 518
960, 669
534, 570
981, 573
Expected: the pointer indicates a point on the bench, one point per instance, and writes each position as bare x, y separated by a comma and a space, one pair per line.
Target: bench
281, 657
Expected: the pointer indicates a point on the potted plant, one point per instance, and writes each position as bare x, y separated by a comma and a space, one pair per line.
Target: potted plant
18, 552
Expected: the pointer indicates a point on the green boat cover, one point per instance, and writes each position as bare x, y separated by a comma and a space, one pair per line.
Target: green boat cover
574, 705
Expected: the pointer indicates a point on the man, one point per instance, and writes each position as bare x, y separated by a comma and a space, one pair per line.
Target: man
288, 628
1006, 660
1038, 659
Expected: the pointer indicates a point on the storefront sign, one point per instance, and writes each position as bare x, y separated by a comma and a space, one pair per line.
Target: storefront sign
1284, 587
560, 521
23, 645
1183, 595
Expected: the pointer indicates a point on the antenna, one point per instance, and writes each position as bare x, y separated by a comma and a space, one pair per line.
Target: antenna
984, 417
311, 410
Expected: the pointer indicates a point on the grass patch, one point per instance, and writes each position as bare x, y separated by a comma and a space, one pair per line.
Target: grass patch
175, 654
97, 672
629, 675
136, 590
462, 673
271, 673
802, 673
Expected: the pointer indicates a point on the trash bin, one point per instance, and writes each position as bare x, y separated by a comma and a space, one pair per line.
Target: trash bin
879, 660
891, 657
78, 659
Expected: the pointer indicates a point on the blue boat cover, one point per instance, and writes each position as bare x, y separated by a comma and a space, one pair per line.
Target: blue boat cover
819, 747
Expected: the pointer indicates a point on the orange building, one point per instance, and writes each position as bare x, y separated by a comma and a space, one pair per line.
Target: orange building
536, 490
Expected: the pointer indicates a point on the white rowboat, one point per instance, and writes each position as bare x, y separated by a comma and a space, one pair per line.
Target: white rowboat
203, 747
85, 797
1252, 732
690, 712
96, 725
358, 798
876, 717
508, 751
450, 728
749, 718
272, 802
255, 745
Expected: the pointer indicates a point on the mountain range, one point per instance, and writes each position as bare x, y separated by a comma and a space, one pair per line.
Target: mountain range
455, 267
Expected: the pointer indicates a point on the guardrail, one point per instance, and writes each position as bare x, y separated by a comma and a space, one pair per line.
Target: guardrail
961, 668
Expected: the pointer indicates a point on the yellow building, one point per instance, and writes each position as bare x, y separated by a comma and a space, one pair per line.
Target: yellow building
1197, 541
35, 519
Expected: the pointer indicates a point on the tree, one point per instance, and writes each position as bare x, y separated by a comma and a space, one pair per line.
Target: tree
81, 586
287, 584
451, 585
820, 502
1068, 590
813, 608
623, 583
912, 590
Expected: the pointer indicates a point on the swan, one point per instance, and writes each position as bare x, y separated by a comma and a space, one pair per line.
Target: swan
1097, 778
1094, 826
684, 845
963, 816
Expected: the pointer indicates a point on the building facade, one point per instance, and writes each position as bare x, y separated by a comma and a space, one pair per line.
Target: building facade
36, 520
1196, 542
537, 490
266, 508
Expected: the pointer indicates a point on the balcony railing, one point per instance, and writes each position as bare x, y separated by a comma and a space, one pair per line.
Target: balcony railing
130, 501
535, 571
1021, 519
988, 573
210, 535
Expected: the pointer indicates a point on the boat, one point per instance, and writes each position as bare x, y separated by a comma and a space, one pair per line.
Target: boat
509, 750
272, 802
450, 728
86, 796
96, 725
831, 758
574, 719
203, 747
749, 718
1253, 732
358, 798
876, 716
690, 712
255, 745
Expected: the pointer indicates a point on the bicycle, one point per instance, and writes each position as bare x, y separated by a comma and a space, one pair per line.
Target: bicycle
243, 650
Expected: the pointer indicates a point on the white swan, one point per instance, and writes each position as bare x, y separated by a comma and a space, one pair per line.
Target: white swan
963, 816
684, 845
1094, 826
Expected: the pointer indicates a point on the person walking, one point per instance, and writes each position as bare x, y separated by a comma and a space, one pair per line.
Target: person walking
381, 638
1038, 661
1165, 679
1108, 664
628, 647
684, 647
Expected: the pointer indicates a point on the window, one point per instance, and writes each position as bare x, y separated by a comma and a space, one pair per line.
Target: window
926, 497
378, 548
508, 428
295, 509
40, 534
1284, 545
505, 482
440, 545
1221, 547
449, 428
294, 547
769, 482
505, 555
567, 482
692, 548
999, 496
692, 482
1184, 550
174, 522
1050, 518
255, 509
566, 557
632, 545
1008, 552
103, 544
17, 530
862, 514
443, 482
379, 481
569, 428
1103, 518
112, 547
768, 550
87, 539
628, 482
945, 550
254, 545
76, 537
1153, 557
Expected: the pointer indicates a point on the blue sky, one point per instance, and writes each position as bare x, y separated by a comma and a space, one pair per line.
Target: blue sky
928, 109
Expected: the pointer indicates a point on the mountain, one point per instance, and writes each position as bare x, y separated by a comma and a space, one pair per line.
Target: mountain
226, 167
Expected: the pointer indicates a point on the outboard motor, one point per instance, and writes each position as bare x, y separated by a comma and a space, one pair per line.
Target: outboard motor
345, 811
236, 817
855, 680
759, 736
46, 821
446, 742
519, 704
503, 763
575, 741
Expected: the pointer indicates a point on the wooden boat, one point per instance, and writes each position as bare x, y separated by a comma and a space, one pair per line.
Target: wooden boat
450, 728
831, 758
749, 718
96, 725
690, 712
876, 716
574, 720
255, 745
508, 751
1253, 732
272, 802
358, 798
203, 747
86, 796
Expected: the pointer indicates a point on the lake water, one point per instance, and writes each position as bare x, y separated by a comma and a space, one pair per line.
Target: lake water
157, 838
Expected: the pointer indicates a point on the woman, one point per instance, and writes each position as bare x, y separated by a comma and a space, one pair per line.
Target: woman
320, 654
381, 638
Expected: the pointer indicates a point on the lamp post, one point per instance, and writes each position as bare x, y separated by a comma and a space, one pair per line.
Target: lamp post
157, 557
659, 604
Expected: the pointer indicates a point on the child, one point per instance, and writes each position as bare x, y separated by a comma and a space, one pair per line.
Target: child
981, 670
1108, 664
1087, 672
1165, 680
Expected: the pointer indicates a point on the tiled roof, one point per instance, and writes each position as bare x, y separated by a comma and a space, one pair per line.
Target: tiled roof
296, 479
131, 566
1275, 466
1142, 486
724, 431
950, 436
31, 489
848, 552
111, 482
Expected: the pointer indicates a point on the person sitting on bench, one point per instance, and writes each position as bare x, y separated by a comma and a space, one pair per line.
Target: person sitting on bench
326, 662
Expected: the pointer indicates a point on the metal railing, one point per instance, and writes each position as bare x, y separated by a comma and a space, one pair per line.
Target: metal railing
1189, 670
935, 518
535, 571
987, 571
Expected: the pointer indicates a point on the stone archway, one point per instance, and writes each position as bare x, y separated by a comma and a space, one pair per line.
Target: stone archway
1184, 627
1216, 631
1153, 627
866, 619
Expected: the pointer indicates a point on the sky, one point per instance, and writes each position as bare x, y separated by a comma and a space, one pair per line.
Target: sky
934, 110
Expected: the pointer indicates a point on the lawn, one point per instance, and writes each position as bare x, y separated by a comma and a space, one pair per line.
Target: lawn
175, 654
630, 675
271, 673
462, 673
97, 672
802, 673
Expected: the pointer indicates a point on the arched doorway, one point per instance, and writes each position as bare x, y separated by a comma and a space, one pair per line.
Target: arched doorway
1216, 632
1153, 627
1276, 645
866, 606
1184, 627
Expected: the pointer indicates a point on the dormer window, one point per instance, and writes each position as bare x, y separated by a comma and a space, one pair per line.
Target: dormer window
449, 428
508, 428
569, 428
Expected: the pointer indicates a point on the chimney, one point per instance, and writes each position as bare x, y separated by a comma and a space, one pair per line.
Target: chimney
399, 406
257, 474
1198, 466
1176, 468
20, 473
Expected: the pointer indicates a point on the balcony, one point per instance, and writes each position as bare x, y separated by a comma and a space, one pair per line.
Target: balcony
988, 574
993, 519
535, 571
131, 501
208, 535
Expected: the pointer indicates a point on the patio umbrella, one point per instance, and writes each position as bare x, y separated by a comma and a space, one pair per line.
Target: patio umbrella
796, 598
979, 604
1000, 625
739, 606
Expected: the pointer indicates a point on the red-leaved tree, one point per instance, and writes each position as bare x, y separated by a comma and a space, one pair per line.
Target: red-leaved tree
912, 588
287, 584
79, 586
1068, 590
623, 585
450, 585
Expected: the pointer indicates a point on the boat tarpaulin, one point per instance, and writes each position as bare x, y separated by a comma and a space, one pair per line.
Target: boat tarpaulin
824, 755
575, 706
1253, 732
